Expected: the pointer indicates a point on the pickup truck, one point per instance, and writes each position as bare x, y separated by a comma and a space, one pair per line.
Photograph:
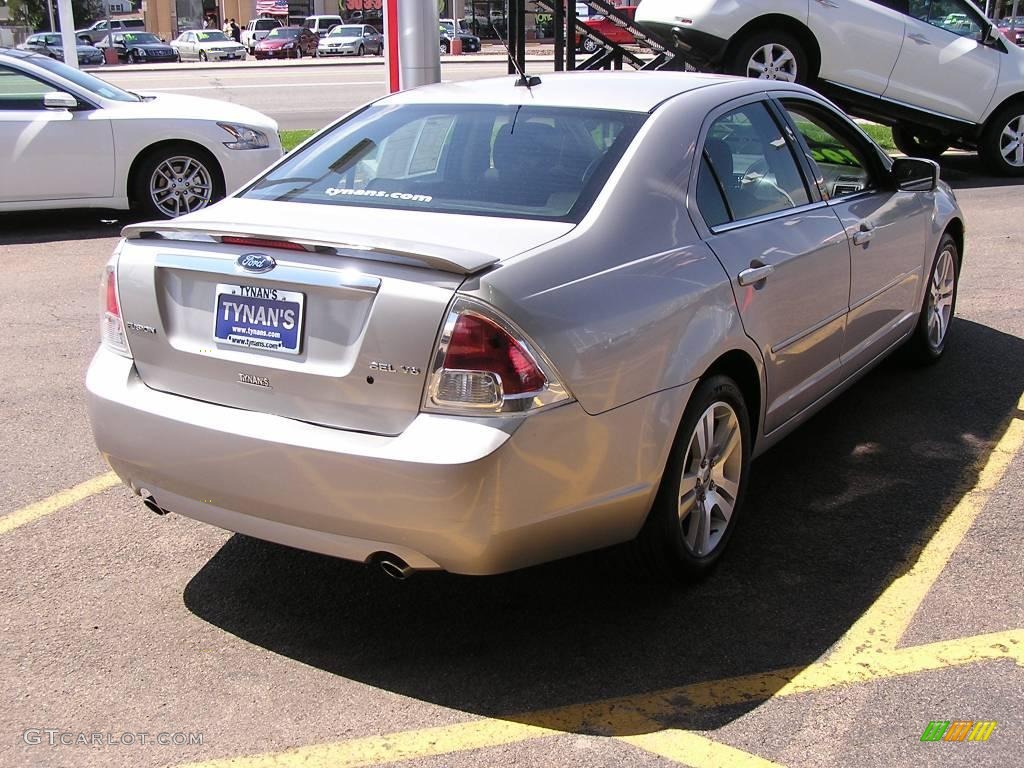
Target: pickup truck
256, 30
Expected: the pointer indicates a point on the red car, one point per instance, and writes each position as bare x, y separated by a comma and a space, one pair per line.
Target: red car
608, 28
287, 43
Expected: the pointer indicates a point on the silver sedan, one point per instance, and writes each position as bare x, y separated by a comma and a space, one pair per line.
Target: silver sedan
479, 326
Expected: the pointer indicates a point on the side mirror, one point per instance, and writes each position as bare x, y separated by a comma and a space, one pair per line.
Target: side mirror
914, 174
989, 34
59, 100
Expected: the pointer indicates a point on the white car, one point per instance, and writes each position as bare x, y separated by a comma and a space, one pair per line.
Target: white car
207, 45
256, 30
938, 71
71, 140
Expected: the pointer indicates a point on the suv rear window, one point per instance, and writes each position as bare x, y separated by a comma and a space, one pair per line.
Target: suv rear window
134, 24
267, 24
489, 160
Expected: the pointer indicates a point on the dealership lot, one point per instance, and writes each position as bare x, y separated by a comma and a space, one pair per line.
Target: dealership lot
875, 585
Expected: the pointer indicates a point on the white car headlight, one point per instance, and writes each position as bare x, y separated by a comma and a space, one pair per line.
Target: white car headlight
244, 138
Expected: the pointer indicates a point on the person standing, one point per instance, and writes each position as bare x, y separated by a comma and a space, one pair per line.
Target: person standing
236, 32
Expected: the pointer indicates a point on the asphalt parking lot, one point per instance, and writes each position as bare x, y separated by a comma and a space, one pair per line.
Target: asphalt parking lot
874, 586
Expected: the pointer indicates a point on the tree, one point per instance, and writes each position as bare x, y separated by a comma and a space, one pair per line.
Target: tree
34, 13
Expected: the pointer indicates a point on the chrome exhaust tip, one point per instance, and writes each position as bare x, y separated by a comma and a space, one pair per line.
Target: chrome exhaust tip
150, 503
395, 567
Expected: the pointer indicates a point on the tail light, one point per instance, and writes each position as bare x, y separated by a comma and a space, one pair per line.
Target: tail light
485, 364
111, 325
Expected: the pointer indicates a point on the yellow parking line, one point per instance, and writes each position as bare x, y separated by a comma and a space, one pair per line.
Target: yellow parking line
623, 717
695, 750
393, 748
57, 502
882, 626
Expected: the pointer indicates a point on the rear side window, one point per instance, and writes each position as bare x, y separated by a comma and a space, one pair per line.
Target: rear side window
492, 160
749, 160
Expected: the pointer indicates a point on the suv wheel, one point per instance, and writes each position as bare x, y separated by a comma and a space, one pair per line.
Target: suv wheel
1002, 142
916, 142
769, 55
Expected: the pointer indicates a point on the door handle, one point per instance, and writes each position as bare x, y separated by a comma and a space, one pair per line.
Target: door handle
867, 231
755, 274
920, 39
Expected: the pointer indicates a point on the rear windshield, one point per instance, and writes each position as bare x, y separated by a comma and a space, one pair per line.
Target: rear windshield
267, 24
489, 160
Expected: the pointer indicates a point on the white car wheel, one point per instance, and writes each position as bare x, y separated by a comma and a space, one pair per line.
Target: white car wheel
770, 55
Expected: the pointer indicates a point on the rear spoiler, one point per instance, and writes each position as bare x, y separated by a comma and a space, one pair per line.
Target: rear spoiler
370, 247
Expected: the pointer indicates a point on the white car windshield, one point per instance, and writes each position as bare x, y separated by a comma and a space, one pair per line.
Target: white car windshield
212, 37
490, 160
85, 80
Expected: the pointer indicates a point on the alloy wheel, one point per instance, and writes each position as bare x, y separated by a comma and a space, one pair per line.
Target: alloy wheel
940, 298
773, 62
1011, 142
181, 184
710, 481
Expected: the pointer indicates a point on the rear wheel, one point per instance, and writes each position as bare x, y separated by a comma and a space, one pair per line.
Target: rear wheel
176, 179
918, 142
932, 333
770, 55
702, 490
1002, 142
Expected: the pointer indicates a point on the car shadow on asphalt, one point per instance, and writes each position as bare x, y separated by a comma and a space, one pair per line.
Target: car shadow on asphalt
833, 513
968, 171
55, 226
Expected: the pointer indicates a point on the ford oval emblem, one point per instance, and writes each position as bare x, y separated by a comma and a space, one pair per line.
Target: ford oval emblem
256, 262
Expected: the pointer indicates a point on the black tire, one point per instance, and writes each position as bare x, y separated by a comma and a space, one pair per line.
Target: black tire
446, 48
361, 51
131, 58
742, 51
992, 138
203, 56
921, 346
590, 45
661, 548
915, 142
147, 165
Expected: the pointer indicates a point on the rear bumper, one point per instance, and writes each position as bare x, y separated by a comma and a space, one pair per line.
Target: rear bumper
474, 496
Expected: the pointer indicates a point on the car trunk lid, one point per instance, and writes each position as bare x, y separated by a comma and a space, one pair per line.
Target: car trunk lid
365, 306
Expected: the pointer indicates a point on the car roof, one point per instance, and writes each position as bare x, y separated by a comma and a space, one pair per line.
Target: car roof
623, 91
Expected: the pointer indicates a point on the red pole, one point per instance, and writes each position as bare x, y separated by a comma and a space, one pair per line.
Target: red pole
391, 29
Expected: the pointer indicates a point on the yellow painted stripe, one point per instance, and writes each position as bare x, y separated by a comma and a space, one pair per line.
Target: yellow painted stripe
393, 748
627, 716
57, 502
697, 751
882, 626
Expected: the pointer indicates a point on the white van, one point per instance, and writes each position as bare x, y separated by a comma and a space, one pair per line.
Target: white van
321, 24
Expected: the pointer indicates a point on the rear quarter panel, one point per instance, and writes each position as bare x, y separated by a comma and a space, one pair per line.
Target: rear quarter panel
631, 302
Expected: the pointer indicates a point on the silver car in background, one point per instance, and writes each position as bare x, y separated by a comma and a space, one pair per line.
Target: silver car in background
351, 40
479, 326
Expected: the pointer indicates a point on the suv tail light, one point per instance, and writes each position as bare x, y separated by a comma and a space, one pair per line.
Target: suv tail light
484, 363
111, 326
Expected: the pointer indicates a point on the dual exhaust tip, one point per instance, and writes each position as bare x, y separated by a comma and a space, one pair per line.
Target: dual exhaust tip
392, 565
